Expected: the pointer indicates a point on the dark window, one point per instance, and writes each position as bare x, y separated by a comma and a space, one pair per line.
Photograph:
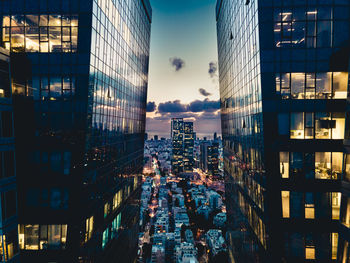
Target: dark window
6, 124
9, 164
11, 201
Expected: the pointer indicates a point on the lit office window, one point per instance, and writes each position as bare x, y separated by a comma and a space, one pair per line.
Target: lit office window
284, 164
42, 237
319, 125
8, 245
44, 33
285, 204
106, 209
297, 125
310, 250
328, 165
117, 199
320, 85
347, 167
346, 212
336, 197
334, 237
309, 206
89, 226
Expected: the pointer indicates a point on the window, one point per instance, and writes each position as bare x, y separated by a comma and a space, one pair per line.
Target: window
105, 238
336, 197
334, 238
284, 164
42, 237
6, 124
8, 245
89, 225
310, 252
309, 206
9, 163
319, 125
297, 125
117, 199
33, 33
9, 204
106, 209
285, 204
297, 85
321, 85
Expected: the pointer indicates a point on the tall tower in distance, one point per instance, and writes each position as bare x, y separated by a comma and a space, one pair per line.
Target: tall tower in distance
79, 83
284, 84
188, 146
177, 139
182, 137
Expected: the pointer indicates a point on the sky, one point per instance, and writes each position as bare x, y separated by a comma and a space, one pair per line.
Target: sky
183, 74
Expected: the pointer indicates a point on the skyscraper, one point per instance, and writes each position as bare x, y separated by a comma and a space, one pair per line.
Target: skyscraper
8, 220
177, 138
209, 157
188, 146
182, 137
80, 84
284, 88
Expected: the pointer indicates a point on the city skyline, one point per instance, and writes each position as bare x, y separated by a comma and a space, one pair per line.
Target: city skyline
153, 131
183, 77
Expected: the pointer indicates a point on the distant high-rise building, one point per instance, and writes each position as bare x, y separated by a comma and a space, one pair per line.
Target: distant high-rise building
188, 146
79, 80
177, 138
284, 86
182, 136
8, 221
215, 136
209, 157
204, 156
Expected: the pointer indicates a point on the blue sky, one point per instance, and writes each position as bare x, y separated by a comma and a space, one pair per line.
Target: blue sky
183, 43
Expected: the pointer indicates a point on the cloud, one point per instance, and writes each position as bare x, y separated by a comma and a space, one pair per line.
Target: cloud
204, 106
151, 106
172, 106
204, 92
178, 63
213, 68
196, 106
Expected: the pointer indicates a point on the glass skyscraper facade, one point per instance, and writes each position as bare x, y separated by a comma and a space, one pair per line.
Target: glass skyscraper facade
79, 83
8, 220
284, 88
